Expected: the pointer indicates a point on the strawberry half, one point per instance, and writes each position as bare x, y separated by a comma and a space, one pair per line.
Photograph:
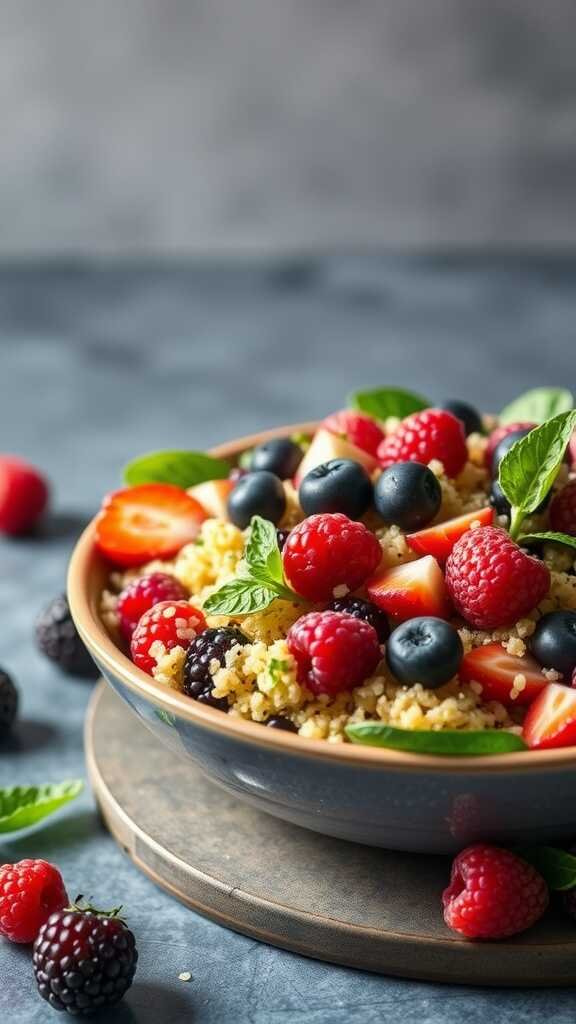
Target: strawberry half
496, 670
145, 522
551, 720
440, 539
416, 588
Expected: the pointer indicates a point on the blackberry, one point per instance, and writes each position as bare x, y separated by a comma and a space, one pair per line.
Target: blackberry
58, 638
84, 960
282, 537
279, 722
208, 646
364, 610
8, 702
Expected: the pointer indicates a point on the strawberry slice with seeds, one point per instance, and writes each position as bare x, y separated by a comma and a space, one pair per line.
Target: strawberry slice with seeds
416, 588
499, 674
150, 521
551, 719
440, 539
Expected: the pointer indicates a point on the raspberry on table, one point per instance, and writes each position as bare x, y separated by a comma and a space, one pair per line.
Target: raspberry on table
364, 610
84, 960
491, 581
30, 891
333, 651
493, 894
24, 495
427, 435
142, 594
500, 433
211, 645
562, 513
170, 623
58, 638
328, 555
8, 703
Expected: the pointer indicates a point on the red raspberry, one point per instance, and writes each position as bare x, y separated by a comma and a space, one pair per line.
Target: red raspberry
328, 555
572, 450
333, 650
357, 428
432, 434
30, 891
173, 623
142, 594
563, 510
23, 495
500, 433
491, 581
493, 894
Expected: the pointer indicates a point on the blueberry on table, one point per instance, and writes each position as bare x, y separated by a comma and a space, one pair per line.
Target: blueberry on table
280, 456
467, 414
8, 703
340, 485
553, 642
407, 495
504, 446
424, 650
257, 494
364, 610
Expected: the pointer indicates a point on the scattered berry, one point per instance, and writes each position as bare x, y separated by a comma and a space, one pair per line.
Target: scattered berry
30, 891
171, 624
364, 610
8, 703
280, 456
213, 496
493, 894
333, 651
440, 539
23, 495
553, 642
500, 433
211, 645
504, 446
563, 510
424, 650
150, 521
432, 434
500, 675
329, 555
280, 722
340, 485
551, 719
491, 581
326, 446
58, 638
469, 417
142, 594
257, 494
84, 960
356, 427
412, 589
407, 495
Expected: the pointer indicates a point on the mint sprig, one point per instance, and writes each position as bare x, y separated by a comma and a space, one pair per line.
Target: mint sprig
557, 867
22, 806
181, 468
451, 742
260, 578
537, 405
384, 402
548, 536
531, 466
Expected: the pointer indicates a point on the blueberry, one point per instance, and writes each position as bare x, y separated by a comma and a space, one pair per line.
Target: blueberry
257, 494
424, 650
340, 485
280, 456
407, 495
504, 447
280, 722
553, 642
498, 500
467, 414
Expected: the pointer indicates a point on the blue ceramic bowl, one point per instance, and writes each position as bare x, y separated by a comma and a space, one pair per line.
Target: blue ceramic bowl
400, 801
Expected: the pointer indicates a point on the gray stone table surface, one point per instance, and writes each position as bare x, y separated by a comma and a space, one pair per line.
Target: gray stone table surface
97, 365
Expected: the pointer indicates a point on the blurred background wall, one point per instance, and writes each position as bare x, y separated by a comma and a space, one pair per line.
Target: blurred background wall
169, 127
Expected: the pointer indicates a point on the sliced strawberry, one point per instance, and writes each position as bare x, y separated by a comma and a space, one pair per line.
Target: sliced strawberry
496, 670
213, 496
416, 588
326, 446
356, 427
150, 521
551, 719
439, 540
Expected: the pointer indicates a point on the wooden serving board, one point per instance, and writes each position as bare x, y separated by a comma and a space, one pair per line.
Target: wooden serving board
289, 887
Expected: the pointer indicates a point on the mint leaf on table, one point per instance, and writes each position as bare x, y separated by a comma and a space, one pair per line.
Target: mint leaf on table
22, 806
451, 742
557, 867
181, 468
537, 405
384, 402
550, 536
531, 466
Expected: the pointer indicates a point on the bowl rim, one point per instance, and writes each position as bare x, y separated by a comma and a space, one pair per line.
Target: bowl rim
83, 606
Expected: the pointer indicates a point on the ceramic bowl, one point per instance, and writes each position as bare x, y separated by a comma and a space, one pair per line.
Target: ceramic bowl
395, 800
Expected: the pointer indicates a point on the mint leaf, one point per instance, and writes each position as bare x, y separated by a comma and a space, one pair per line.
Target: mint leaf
184, 469
449, 741
548, 535
22, 806
537, 405
557, 867
240, 597
262, 551
530, 467
384, 402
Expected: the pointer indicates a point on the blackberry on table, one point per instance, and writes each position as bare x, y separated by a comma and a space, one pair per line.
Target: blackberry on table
364, 610
8, 702
58, 638
211, 645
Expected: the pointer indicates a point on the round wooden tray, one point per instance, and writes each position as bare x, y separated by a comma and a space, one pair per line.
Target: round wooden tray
314, 895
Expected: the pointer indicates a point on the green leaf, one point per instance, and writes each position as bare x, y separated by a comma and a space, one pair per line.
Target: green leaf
449, 741
262, 551
184, 469
530, 467
537, 405
557, 867
550, 536
384, 402
22, 806
240, 597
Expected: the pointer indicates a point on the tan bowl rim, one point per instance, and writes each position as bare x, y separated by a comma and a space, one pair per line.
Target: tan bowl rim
84, 611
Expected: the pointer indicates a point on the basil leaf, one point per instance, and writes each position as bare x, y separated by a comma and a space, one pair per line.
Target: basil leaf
530, 467
384, 402
240, 597
557, 867
184, 469
262, 549
22, 806
548, 535
449, 741
537, 405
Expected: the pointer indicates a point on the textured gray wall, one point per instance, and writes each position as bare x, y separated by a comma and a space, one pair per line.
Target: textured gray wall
170, 126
